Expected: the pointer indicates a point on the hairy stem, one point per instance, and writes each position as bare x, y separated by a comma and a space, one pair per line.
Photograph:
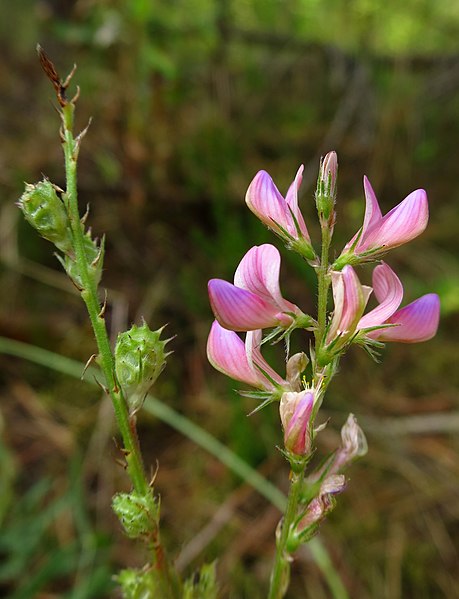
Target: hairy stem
281, 570
126, 426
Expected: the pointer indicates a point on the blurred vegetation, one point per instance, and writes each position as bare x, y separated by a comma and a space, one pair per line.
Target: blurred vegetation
189, 99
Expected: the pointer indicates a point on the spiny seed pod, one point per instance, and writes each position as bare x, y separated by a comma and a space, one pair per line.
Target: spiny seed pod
46, 212
94, 251
139, 359
137, 513
138, 584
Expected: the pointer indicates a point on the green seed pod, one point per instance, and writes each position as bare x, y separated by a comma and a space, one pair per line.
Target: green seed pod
94, 255
137, 584
137, 513
139, 359
46, 212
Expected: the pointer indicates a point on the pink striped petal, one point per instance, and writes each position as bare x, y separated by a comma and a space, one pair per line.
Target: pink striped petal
258, 272
371, 219
417, 322
295, 412
241, 310
266, 202
402, 224
291, 199
350, 298
389, 293
226, 352
253, 353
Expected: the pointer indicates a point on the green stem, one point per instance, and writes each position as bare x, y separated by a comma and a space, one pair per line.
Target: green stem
281, 570
89, 294
126, 424
323, 284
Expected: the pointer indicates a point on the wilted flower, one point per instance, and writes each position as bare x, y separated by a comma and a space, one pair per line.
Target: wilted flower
254, 301
381, 233
280, 214
241, 361
295, 412
353, 444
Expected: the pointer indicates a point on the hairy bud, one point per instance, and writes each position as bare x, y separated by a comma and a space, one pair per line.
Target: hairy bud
137, 513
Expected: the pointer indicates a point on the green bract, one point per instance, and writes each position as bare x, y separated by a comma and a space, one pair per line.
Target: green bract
46, 212
139, 359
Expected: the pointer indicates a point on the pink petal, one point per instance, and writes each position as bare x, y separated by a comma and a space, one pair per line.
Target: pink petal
402, 224
226, 352
258, 272
350, 298
295, 412
253, 353
388, 291
239, 309
417, 322
265, 201
371, 219
292, 201
373, 213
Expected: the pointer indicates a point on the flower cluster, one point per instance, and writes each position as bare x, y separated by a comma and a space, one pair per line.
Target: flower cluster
255, 302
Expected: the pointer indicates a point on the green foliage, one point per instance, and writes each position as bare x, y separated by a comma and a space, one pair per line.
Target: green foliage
202, 585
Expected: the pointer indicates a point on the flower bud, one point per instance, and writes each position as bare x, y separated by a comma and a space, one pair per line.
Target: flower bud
137, 513
295, 412
326, 188
139, 359
46, 212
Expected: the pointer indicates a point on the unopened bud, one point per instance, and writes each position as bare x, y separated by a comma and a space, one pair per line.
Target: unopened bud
137, 513
295, 412
139, 360
326, 187
46, 212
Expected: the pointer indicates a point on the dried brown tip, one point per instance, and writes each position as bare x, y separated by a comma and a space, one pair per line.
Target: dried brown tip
50, 71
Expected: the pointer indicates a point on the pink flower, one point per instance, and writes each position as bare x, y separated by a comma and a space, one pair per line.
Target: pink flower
415, 322
254, 301
295, 412
280, 214
402, 224
243, 362
350, 298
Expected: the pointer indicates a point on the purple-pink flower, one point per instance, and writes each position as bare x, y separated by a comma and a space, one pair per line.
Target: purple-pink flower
280, 214
415, 322
241, 361
295, 411
350, 298
402, 224
254, 301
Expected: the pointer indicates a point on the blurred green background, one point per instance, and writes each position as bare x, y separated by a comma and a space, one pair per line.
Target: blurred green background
189, 99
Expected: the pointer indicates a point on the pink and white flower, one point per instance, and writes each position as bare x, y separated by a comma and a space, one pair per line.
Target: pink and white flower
414, 323
380, 233
241, 361
280, 214
254, 301
295, 411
